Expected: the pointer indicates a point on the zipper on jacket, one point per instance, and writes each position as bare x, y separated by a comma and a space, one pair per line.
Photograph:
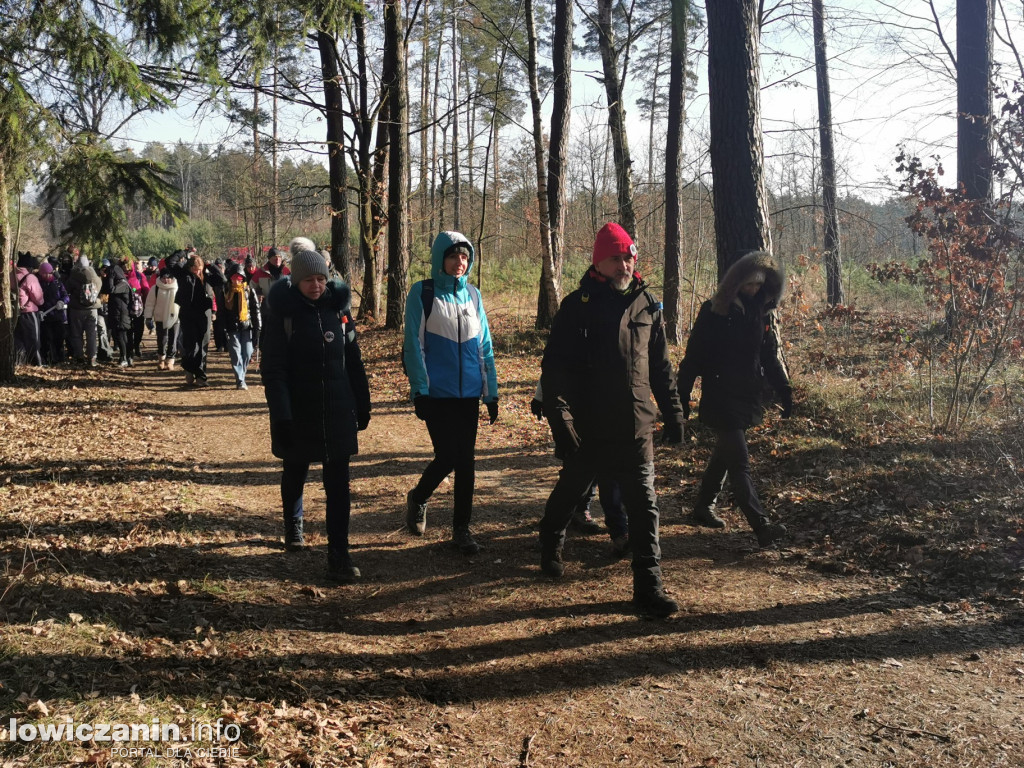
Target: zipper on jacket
323, 384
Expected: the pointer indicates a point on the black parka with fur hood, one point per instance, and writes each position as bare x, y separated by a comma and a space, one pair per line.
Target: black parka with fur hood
313, 374
733, 349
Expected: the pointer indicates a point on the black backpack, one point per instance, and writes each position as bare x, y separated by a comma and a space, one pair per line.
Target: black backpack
427, 297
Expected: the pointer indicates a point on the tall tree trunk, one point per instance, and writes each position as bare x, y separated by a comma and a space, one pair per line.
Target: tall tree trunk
974, 28
7, 316
561, 59
830, 243
737, 153
276, 175
394, 83
550, 290
255, 198
337, 172
370, 178
616, 117
456, 186
424, 200
673, 165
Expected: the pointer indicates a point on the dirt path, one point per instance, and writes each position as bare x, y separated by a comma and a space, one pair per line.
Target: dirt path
441, 660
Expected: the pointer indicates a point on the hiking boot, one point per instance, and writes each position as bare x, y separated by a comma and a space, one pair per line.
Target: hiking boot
770, 534
200, 382
705, 517
294, 541
190, 378
654, 602
340, 568
551, 561
621, 546
584, 523
415, 515
125, 362
463, 539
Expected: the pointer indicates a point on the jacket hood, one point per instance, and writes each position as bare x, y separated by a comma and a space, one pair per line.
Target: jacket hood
740, 272
285, 298
442, 243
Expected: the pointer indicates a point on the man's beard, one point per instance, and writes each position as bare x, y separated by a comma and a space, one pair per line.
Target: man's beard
621, 283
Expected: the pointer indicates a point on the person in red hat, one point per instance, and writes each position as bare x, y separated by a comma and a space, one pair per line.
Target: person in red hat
605, 358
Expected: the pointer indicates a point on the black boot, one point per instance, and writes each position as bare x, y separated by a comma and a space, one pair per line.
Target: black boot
340, 568
769, 534
294, 541
652, 601
415, 516
551, 559
705, 517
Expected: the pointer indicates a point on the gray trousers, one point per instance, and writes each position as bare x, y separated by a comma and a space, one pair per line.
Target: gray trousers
82, 321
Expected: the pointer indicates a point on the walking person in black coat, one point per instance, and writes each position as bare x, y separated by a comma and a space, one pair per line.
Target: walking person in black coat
119, 320
734, 351
198, 308
318, 397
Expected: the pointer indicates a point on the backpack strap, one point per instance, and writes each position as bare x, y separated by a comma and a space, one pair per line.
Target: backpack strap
427, 297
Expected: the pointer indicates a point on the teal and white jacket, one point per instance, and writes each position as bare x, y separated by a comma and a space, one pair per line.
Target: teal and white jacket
447, 352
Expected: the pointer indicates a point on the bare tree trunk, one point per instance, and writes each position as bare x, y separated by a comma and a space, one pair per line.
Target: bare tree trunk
7, 315
273, 156
561, 56
616, 117
974, 28
550, 291
737, 153
425, 165
336, 168
394, 82
830, 249
256, 199
456, 187
370, 178
673, 164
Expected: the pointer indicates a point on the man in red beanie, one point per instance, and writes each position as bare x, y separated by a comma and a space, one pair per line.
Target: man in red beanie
606, 356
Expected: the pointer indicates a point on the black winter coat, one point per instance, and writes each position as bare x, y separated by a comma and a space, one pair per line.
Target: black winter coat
118, 290
194, 296
605, 358
312, 372
734, 351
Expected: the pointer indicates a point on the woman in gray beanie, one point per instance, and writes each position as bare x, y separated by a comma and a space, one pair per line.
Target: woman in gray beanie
318, 397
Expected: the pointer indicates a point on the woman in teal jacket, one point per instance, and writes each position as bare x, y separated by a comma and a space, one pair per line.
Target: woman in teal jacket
450, 365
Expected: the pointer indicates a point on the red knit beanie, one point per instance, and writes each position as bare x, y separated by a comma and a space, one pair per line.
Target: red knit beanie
612, 240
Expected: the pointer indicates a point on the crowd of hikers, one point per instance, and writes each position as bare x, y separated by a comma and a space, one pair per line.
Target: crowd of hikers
606, 378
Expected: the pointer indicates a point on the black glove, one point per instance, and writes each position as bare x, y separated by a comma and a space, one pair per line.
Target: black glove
421, 405
537, 409
492, 411
786, 401
362, 420
281, 435
567, 442
150, 324
673, 434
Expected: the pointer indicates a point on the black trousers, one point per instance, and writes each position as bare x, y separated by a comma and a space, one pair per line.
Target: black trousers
195, 339
730, 458
28, 338
336, 488
635, 477
452, 424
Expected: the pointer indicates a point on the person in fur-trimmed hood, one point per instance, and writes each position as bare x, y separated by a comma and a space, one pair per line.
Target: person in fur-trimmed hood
734, 349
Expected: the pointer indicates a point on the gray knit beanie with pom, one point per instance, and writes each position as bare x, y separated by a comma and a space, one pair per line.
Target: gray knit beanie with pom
306, 263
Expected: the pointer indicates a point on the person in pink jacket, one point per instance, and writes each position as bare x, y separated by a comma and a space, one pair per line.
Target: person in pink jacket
30, 298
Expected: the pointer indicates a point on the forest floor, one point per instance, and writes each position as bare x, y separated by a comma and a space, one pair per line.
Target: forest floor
142, 577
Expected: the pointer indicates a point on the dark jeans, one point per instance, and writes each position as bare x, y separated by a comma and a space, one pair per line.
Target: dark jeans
195, 338
120, 338
635, 478
452, 425
166, 340
615, 519
83, 321
138, 329
336, 487
54, 335
730, 458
